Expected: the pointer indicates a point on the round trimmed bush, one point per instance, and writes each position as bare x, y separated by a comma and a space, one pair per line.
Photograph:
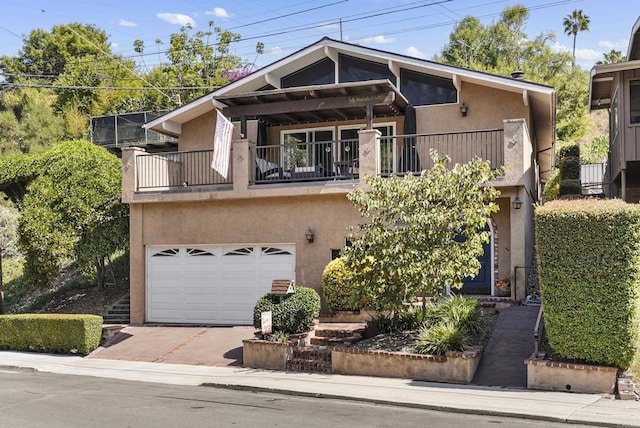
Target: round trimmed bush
337, 286
294, 314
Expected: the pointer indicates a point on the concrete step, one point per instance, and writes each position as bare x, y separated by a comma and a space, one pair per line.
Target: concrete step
302, 365
322, 331
335, 341
315, 353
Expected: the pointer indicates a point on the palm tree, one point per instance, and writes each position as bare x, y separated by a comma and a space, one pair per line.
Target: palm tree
612, 57
573, 24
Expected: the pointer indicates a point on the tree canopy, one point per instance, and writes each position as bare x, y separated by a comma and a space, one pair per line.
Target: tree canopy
575, 23
411, 241
71, 209
503, 47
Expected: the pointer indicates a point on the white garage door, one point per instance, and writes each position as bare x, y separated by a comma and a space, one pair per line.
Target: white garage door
212, 284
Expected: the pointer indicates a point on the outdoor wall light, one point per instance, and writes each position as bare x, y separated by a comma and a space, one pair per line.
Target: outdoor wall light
464, 108
309, 235
517, 203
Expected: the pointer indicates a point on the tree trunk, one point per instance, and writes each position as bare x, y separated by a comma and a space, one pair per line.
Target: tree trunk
113, 274
100, 272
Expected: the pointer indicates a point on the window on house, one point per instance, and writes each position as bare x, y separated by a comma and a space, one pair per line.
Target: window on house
355, 70
335, 253
348, 146
424, 89
634, 102
319, 73
307, 148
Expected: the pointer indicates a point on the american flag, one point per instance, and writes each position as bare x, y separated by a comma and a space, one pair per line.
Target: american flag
222, 145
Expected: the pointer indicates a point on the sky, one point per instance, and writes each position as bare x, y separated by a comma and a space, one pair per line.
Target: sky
410, 27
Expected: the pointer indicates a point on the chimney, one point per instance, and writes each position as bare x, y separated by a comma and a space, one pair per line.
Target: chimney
518, 75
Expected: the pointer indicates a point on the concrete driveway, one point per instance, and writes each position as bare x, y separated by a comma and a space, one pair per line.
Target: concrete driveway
209, 346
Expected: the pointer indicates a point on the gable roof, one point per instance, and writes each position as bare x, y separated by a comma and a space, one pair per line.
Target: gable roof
541, 97
633, 52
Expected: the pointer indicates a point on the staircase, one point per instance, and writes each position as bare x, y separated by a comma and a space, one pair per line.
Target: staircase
119, 313
317, 357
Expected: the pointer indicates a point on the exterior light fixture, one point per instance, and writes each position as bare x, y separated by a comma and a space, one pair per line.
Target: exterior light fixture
517, 203
309, 235
464, 108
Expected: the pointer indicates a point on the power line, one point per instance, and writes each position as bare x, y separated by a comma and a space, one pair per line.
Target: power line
88, 87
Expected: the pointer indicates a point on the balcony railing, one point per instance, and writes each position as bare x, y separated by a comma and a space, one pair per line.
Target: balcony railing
403, 153
316, 161
177, 170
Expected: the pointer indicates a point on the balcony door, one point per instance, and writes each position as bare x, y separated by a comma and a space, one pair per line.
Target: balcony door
307, 148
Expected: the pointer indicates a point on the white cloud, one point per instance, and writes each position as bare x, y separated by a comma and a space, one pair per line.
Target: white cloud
125, 23
328, 26
620, 45
559, 47
378, 39
275, 50
114, 45
415, 52
588, 54
177, 18
219, 12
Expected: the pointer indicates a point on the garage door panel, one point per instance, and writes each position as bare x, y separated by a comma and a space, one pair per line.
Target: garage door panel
213, 284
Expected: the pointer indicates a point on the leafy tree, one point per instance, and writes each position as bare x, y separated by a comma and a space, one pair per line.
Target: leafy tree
72, 210
503, 47
411, 242
27, 121
47, 53
574, 24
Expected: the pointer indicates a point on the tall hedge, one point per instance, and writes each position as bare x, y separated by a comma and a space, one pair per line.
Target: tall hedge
589, 266
569, 163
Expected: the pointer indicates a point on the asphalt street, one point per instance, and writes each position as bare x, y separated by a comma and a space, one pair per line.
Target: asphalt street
32, 399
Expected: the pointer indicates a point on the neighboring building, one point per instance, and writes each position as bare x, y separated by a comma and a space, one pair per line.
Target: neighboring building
116, 131
616, 87
308, 129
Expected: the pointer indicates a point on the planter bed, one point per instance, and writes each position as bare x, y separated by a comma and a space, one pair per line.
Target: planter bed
454, 367
572, 377
267, 354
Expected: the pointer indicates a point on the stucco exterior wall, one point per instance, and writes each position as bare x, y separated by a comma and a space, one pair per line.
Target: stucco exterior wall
272, 221
487, 108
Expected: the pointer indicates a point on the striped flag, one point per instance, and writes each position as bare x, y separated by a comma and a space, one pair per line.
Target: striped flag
222, 145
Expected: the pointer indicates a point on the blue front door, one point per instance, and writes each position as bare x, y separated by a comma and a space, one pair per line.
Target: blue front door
481, 284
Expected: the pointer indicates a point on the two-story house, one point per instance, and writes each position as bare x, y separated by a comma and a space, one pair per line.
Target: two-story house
616, 87
308, 129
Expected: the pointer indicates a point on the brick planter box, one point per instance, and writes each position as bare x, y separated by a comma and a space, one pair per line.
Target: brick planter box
454, 367
557, 376
265, 354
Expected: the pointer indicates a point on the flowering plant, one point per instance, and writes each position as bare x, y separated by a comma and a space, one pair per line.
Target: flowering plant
503, 283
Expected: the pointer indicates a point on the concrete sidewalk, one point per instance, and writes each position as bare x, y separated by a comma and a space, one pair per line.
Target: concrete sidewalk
553, 406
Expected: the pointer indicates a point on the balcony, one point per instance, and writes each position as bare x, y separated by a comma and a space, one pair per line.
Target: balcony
305, 168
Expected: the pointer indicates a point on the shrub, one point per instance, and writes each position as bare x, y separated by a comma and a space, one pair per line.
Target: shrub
382, 323
61, 333
588, 253
440, 338
570, 168
293, 313
570, 187
338, 286
457, 310
569, 150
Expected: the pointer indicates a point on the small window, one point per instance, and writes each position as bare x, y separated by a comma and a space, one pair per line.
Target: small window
335, 253
240, 252
198, 252
634, 102
167, 253
424, 89
319, 73
271, 251
356, 70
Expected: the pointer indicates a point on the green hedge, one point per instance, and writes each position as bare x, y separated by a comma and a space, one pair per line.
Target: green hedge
570, 168
294, 314
570, 187
588, 261
60, 333
569, 150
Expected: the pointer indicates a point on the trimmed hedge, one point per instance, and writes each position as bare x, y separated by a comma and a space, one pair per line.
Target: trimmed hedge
59, 333
294, 314
589, 267
338, 287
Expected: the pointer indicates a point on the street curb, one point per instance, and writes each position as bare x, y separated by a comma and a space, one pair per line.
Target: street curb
19, 369
409, 405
